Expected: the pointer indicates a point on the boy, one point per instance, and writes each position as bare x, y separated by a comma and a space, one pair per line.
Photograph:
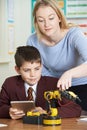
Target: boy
29, 67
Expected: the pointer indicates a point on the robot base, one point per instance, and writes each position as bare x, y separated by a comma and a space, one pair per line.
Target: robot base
33, 120
42, 120
51, 120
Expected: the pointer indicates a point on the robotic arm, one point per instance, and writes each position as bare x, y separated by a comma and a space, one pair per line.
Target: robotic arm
52, 97
51, 117
57, 94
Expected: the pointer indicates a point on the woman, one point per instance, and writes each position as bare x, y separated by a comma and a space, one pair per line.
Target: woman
63, 48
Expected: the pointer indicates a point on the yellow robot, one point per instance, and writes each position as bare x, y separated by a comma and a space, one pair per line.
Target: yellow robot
52, 117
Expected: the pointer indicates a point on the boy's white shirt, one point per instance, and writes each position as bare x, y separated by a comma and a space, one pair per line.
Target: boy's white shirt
34, 88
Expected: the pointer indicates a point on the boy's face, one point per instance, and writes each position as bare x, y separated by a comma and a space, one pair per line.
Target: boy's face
30, 72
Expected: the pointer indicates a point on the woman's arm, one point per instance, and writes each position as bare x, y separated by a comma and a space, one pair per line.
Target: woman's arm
65, 80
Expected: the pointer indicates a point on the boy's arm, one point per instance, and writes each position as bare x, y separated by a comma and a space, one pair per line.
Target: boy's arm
4, 102
4, 111
68, 108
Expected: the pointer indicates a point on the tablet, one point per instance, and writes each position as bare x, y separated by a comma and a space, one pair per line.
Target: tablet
23, 105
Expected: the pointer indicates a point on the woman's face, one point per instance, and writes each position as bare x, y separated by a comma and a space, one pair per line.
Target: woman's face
47, 21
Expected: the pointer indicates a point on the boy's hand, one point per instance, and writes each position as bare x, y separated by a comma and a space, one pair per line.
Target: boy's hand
15, 113
40, 110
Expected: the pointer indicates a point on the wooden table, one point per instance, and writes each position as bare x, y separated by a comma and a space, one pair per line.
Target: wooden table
67, 124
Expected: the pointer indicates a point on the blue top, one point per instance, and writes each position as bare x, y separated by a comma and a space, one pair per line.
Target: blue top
70, 52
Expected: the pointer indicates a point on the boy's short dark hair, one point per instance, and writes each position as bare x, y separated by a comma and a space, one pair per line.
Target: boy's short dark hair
27, 53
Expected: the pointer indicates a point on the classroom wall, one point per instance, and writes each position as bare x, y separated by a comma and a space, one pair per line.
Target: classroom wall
22, 29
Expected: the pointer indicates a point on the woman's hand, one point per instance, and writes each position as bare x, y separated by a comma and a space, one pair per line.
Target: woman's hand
15, 113
65, 81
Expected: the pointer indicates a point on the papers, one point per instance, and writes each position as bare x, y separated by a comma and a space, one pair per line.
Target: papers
3, 125
83, 119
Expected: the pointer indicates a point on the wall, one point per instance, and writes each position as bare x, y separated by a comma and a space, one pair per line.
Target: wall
22, 25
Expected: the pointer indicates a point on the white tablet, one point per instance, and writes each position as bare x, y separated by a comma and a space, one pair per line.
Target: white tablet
23, 105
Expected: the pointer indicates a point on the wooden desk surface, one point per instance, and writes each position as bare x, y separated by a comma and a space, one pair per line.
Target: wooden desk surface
67, 124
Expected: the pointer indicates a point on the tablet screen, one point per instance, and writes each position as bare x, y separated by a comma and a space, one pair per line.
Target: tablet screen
23, 105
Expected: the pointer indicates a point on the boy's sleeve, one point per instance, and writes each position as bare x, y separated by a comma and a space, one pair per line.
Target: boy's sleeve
68, 109
4, 104
4, 111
